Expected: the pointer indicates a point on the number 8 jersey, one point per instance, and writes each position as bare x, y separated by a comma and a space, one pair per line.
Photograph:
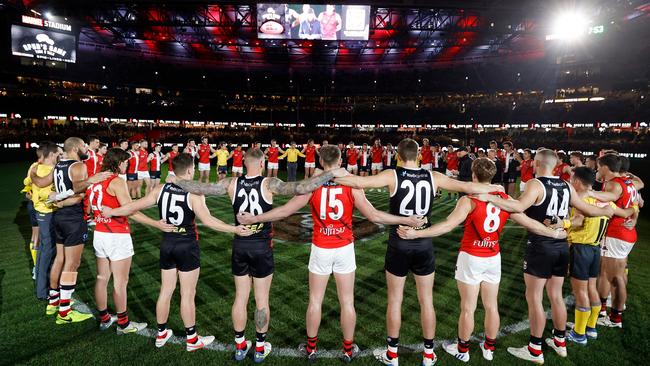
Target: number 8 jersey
414, 192
557, 197
249, 197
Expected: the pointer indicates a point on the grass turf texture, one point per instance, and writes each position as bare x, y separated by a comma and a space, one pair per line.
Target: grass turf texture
29, 337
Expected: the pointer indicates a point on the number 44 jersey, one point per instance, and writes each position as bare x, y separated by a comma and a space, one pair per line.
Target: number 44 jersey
414, 192
557, 197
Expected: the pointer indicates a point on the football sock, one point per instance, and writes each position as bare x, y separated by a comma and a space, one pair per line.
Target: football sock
615, 315
582, 316
162, 329
123, 319
240, 340
190, 334
593, 316
490, 343
260, 339
391, 347
311, 344
104, 316
347, 347
33, 252
463, 346
603, 304
535, 346
428, 348
64, 301
53, 298
558, 337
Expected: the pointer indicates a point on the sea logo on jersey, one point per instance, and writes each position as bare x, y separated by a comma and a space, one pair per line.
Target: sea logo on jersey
251, 203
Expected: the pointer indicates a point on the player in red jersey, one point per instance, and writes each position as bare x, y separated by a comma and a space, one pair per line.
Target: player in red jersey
143, 167
272, 152
526, 170
377, 152
205, 152
91, 161
619, 238
112, 242
352, 155
478, 267
101, 152
452, 166
332, 250
155, 159
310, 158
237, 156
426, 155
562, 169
132, 170
170, 159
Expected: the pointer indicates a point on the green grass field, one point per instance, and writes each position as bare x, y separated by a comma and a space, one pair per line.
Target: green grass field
27, 336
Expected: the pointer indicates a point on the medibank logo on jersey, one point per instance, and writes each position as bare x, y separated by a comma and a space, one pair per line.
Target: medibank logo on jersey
46, 23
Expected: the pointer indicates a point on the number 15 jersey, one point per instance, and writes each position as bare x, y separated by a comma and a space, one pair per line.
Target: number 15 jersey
175, 208
332, 206
414, 192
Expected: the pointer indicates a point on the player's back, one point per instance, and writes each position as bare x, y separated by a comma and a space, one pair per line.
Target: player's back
99, 197
175, 208
483, 227
332, 206
616, 228
249, 197
63, 183
413, 195
557, 197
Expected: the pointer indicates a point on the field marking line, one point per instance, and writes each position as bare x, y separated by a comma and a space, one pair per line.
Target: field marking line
293, 352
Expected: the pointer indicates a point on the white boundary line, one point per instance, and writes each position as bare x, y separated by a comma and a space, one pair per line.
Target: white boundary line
293, 352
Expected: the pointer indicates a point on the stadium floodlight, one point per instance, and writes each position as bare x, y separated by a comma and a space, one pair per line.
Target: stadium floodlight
48, 15
568, 26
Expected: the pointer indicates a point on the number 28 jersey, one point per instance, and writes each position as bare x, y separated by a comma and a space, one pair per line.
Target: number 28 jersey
483, 227
174, 207
557, 197
414, 192
249, 197
332, 206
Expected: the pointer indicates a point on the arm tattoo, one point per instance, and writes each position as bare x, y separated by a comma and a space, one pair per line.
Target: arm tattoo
208, 189
277, 186
261, 318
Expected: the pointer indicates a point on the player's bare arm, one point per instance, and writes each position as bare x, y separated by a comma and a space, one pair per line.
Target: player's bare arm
201, 211
454, 185
80, 180
610, 193
280, 187
588, 209
532, 194
39, 181
278, 213
384, 179
381, 217
455, 218
128, 209
219, 188
537, 227
121, 191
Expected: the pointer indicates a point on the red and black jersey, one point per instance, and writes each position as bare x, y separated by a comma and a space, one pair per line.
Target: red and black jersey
99, 198
616, 228
483, 227
332, 206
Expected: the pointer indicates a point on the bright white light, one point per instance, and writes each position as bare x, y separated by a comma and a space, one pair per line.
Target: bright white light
48, 15
569, 26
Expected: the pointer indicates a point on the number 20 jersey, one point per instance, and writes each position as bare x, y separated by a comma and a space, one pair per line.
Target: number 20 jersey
249, 197
414, 192
557, 197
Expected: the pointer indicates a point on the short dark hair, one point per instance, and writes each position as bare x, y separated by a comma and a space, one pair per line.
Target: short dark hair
183, 162
592, 158
92, 138
407, 150
484, 169
507, 143
611, 161
122, 141
48, 147
114, 157
625, 164
103, 144
330, 154
585, 175
134, 142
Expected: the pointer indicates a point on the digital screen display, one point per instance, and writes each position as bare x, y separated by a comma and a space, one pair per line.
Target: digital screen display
313, 21
43, 44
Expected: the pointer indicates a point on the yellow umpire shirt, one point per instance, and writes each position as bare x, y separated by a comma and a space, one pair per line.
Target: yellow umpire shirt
292, 155
40, 195
592, 230
222, 157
